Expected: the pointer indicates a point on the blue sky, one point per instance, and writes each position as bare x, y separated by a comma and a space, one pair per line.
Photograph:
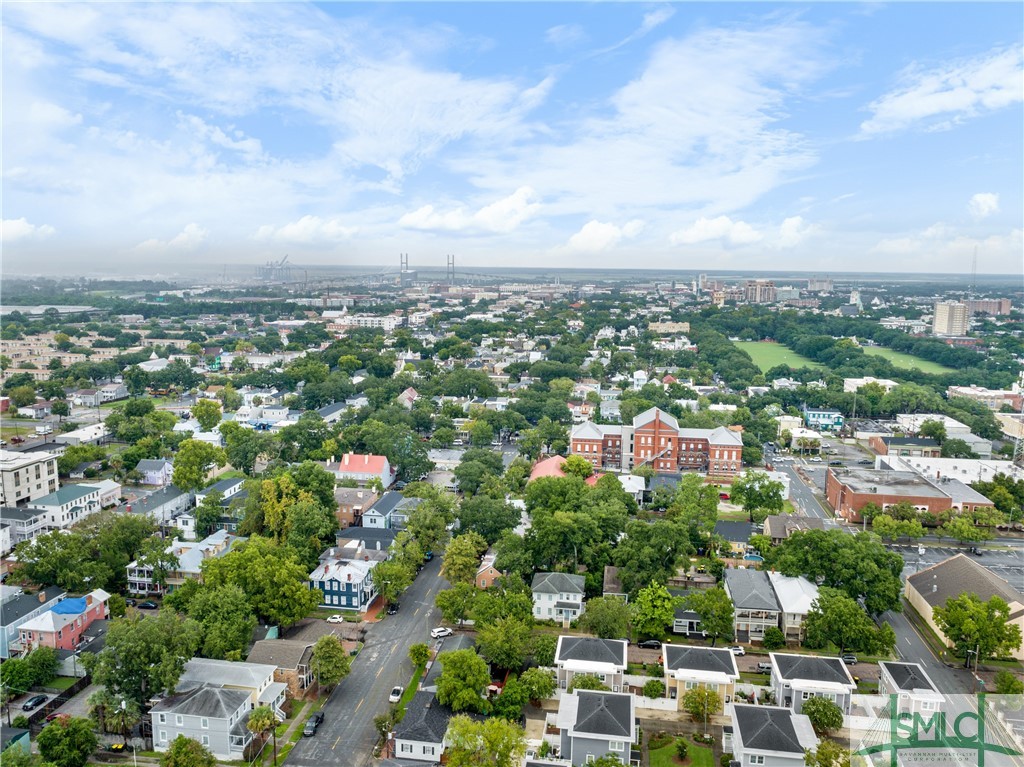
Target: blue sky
823, 136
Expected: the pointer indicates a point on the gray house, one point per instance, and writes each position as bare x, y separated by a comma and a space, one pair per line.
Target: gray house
214, 716
603, 658
594, 724
687, 667
756, 607
796, 678
420, 734
769, 736
916, 691
557, 596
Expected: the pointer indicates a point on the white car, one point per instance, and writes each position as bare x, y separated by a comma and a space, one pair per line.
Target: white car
396, 695
737, 650
815, 460
335, 619
440, 631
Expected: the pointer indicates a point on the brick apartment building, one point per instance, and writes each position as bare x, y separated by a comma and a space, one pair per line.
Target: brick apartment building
655, 439
850, 490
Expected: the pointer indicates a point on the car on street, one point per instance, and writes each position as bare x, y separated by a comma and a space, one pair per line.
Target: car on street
737, 650
764, 667
335, 619
312, 723
649, 644
440, 631
17, 440
34, 702
815, 459
723, 496
393, 608
849, 659
865, 462
149, 604
396, 695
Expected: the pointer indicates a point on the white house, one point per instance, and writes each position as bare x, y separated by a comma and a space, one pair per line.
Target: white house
769, 736
363, 468
602, 658
558, 596
155, 471
916, 691
795, 596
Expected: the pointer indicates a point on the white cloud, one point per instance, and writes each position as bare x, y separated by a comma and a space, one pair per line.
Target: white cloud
308, 230
939, 98
721, 228
983, 205
793, 231
14, 229
652, 20
597, 236
565, 34
505, 215
250, 147
186, 241
943, 248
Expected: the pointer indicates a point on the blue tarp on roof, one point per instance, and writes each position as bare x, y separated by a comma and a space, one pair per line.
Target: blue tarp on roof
73, 606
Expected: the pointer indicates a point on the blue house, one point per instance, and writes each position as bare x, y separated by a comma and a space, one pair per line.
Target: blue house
824, 420
345, 576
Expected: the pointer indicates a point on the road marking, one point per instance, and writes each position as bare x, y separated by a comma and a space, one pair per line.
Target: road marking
907, 640
336, 743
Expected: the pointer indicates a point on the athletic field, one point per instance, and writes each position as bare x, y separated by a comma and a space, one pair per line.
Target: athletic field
767, 354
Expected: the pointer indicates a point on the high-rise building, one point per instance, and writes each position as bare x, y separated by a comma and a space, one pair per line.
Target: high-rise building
993, 306
759, 291
951, 318
819, 285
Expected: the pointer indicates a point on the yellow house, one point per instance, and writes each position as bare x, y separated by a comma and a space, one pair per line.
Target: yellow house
687, 667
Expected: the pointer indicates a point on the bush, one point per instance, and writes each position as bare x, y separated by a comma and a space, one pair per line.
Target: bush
682, 750
544, 750
659, 740
21, 722
774, 639
654, 689
655, 670
1008, 684
725, 760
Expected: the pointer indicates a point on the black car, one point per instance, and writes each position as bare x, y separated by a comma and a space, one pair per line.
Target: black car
130, 603
649, 644
312, 723
149, 604
393, 608
34, 702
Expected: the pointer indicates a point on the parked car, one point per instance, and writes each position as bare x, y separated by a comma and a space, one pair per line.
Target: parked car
815, 459
428, 556
440, 631
130, 602
723, 496
849, 659
835, 463
764, 668
737, 650
649, 644
396, 695
149, 604
34, 702
393, 608
335, 619
977, 552
312, 723
17, 440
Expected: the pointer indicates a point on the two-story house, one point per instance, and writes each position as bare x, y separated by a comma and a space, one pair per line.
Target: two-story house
68, 505
17, 608
602, 658
420, 735
769, 736
796, 678
212, 703
351, 503
62, 626
754, 603
291, 659
593, 724
737, 533
391, 511
363, 468
487, 573
190, 556
687, 667
557, 596
345, 577
824, 420
795, 596
228, 488
910, 685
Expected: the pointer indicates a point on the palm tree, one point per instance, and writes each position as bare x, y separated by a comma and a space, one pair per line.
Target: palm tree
125, 717
101, 704
262, 719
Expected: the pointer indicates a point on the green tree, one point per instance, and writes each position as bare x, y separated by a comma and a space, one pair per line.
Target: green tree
392, 577
428, 527
309, 528
587, 682
933, 429
963, 530
193, 462
824, 714
464, 677
330, 663
715, 610
227, 620
544, 647
261, 721
67, 742
143, 657
606, 617
207, 412
462, 558
186, 752
774, 639
982, 627
455, 603
124, 718
578, 465
509, 703
419, 654
42, 665
653, 611
828, 754
494, 742
654, 688
702, 703
834, 617
1008, 684
539, 683
505, 643
758, 494
489, 517
695, 505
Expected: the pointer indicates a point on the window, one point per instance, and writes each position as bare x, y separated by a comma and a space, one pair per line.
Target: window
406, 748
428, 750
805, 695
206, 740
163, 736
178, 720
204, 723
590, 758
927, 705
616, 745
163, 718
755, 759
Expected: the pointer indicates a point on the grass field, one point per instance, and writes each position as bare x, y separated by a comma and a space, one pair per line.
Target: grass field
767, 354
699, 756
906, 361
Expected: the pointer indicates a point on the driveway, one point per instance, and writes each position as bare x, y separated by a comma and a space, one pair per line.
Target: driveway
347, 735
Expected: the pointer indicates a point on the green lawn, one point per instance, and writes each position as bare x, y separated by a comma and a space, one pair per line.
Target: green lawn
61, 682
699, 756
767, 354
906, 361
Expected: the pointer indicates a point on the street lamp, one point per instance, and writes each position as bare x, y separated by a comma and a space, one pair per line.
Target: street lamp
124, 708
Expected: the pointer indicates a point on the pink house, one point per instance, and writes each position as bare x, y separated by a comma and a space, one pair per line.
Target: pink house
61, 627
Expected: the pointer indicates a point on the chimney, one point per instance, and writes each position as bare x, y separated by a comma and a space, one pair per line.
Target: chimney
366, 459
345, 458
88, 600
350, 577
42, 597
366, 557
935, 588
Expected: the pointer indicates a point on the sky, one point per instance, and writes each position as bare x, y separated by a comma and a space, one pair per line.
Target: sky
815, 137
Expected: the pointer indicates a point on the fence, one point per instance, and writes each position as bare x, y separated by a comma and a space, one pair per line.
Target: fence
37, 719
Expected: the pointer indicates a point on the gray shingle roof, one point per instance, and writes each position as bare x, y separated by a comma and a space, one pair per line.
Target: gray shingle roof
908, 676
767, 728
17, 608
604, 713
699, 659
751, 590
283, 653
736, 531
592, 649
960, 574
811, 667
558, 583
425, 719
211, 702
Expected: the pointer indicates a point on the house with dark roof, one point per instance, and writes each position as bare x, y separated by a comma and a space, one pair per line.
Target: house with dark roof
603, 658
595, 724
155, 471
420, 735
779, 527
612, 585
391, 511
687, 667
213, 716
17, 608
737, 533
371, 538
916, 691
797, 678
448, 644
754, 602
958, 575
770, 736
557, 596
291, 659
15, 737
351, 503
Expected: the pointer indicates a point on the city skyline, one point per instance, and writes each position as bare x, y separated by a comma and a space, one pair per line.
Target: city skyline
710, 136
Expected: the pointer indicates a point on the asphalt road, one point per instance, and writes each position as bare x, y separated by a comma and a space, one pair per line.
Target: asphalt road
911, 648
347, 735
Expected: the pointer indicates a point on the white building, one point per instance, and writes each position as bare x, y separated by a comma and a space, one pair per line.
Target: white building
951, 318
795, 596
25, 477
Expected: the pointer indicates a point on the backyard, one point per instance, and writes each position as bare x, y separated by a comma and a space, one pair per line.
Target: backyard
698, 756
906, 361
768, 354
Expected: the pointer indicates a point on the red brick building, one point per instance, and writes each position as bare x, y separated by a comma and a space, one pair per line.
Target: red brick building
850, 490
